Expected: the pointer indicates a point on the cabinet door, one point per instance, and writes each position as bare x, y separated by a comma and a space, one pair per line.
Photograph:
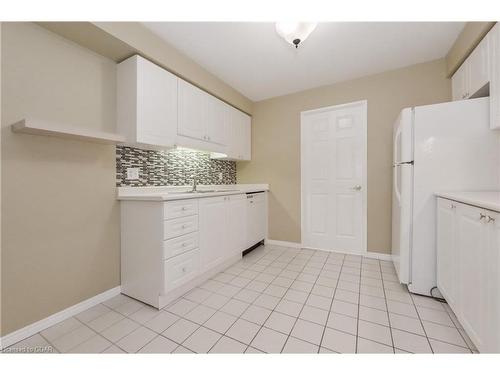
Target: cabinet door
235, 131
494, 74
236, 223
212, 229
473, 268
156, 104
146, 100
459, 83
478, 68
493, 224
246, 137
191, 121
216, 120
447, 256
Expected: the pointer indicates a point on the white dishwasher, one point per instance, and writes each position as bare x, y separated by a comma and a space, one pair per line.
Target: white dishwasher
256, 218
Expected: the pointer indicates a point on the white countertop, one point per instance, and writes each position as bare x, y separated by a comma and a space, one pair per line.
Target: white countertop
489, 200
168, 193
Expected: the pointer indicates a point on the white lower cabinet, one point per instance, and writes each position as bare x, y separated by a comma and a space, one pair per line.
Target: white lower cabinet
447, 259
468, 269
169, 247
222, 228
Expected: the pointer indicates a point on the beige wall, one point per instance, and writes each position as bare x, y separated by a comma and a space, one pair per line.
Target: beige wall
119, 40
276, 143
60, 219
467, 40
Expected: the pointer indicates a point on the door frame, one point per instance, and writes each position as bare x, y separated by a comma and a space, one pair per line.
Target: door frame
364, 125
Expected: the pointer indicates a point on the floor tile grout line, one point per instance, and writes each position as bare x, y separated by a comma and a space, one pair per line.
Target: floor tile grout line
421, 323
388, 316
276, 262
239, 317
359, 300
459, 331
300, 312
250, 304
286, 340
331, 305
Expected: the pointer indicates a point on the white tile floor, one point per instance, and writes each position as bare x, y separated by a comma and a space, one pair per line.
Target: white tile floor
275, 300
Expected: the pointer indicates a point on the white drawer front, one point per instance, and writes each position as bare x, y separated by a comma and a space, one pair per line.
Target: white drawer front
179, 245
181, 208
178, 227
181, 269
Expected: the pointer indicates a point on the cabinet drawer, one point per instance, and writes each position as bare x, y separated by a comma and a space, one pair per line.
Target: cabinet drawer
175, 209
178, 227
179, 245
181, 269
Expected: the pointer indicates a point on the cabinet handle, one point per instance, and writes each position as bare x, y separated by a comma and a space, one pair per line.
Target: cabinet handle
482, 216
491, 219
452, 206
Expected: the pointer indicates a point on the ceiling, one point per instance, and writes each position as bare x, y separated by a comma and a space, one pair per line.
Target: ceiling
253, 59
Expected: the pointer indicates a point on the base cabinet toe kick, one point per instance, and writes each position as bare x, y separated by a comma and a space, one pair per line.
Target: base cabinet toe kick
170, 247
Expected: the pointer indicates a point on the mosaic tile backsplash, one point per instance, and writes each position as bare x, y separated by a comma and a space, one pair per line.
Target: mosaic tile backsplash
174, 167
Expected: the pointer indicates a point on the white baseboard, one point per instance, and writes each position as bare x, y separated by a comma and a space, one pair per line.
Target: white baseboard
379, 256
58, 317
294, 245
368, 254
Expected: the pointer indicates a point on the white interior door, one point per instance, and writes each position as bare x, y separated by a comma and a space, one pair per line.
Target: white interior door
333, 169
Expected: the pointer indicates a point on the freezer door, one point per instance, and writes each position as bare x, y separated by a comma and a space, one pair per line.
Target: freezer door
401, 220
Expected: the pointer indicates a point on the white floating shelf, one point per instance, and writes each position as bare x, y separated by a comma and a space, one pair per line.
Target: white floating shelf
38, 127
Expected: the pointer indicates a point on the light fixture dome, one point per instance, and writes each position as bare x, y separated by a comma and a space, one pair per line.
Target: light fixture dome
295, 32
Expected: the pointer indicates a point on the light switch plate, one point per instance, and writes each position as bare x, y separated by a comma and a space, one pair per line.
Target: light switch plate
132, 173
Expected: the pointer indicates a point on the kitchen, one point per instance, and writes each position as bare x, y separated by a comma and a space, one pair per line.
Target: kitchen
188, 200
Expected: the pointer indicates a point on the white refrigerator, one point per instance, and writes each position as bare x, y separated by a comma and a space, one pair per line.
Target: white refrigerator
441, 147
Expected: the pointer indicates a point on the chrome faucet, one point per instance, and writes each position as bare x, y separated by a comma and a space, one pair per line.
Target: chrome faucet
195, 184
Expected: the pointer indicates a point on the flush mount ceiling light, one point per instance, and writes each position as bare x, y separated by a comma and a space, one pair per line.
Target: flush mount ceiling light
295, 32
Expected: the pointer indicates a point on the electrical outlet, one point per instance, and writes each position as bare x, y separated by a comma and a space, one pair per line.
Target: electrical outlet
220, 176
132, 173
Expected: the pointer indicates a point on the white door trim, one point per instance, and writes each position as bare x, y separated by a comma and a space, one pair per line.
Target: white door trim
364, 104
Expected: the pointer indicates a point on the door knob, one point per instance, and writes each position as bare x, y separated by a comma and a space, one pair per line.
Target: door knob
356, 187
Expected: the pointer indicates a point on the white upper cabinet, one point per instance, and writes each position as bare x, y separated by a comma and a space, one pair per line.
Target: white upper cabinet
146, 103
478, 69
201, 117
470, 80
494, 74
156, 109
479, 75
459, 83
191, 107
239, 130
215, 117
